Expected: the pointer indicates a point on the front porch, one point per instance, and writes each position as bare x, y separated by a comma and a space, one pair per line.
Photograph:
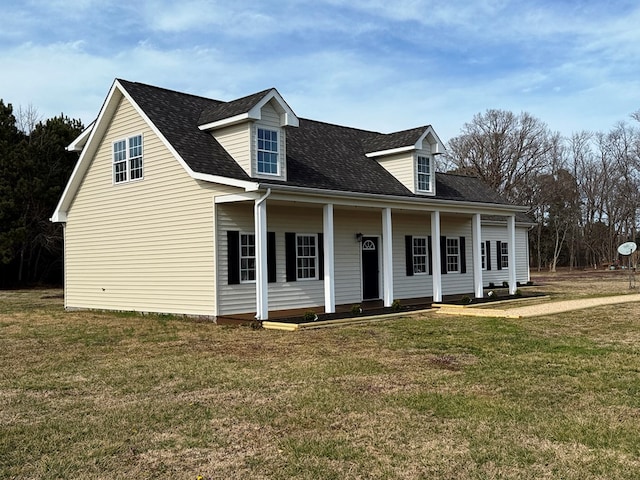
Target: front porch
296, 315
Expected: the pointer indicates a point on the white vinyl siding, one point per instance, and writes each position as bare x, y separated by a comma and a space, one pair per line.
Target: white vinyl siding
236, 140
494, 232
144, 246
405, 286
401, 166
405, 167
348, 282
282, 294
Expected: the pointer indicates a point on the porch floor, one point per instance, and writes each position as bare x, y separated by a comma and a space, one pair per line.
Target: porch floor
369, 307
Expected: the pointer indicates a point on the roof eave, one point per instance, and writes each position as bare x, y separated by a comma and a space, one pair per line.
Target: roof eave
487, 208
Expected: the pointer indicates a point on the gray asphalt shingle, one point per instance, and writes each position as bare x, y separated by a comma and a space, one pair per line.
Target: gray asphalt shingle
319, 155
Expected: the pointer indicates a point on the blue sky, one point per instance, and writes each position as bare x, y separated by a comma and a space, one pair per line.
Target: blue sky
381, 65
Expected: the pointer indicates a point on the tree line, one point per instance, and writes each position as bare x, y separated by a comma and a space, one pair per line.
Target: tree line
583, 191
34, 169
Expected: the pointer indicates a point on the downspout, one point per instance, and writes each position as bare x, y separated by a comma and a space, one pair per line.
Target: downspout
263, 198
261, 257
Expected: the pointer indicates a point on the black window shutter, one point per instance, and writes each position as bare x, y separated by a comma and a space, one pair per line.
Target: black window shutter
463, 256
499, 254
443, 255
430, 255
233, 257
320, 256
271, 257
290, 255
487, 254
408, 253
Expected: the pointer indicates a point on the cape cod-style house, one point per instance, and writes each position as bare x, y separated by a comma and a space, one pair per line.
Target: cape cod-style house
187, 205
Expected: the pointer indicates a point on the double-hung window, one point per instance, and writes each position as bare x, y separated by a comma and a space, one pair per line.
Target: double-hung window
419, 255
423, 173
127, 159
453, 255
267, 151
504, 255
247, 257
306, 257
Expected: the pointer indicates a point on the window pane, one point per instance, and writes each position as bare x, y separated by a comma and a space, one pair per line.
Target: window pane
419, 255
423, 168
306, 256
247, 257
267, 151
453, 255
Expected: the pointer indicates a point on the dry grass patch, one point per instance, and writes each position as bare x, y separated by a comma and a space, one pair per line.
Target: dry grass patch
87, 394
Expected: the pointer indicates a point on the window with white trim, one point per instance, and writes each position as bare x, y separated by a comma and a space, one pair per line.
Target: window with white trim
504, 255
420, 255
453, 255
423, 173
483, 255
247, 257
267, 149
306, 257
127, 159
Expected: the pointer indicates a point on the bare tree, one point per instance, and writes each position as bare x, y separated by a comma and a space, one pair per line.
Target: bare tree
27, 118
503, 149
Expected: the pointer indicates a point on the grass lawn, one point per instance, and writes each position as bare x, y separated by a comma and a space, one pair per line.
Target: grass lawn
121, 396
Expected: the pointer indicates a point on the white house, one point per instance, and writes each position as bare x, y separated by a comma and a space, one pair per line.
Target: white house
188, 205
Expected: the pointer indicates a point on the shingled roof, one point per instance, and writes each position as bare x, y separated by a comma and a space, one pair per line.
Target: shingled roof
319, 155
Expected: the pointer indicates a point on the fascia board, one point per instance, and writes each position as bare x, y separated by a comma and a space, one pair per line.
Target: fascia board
231, 182
227, 122
439, 146
81, 140
391, 151
99, 126
310, 195
290, 117
236, 197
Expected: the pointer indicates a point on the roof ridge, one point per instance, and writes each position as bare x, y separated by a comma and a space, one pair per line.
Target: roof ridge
170, 90
454, 174
245, 97
340, 126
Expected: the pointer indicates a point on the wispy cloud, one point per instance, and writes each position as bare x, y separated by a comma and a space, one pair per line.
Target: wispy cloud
367, 63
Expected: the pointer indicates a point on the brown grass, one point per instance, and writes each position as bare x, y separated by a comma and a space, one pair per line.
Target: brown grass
114, 396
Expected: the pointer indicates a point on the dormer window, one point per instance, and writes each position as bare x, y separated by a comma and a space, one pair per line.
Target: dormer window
423, 174
267, 152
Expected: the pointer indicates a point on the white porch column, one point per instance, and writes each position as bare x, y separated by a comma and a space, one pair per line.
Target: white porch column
476, 239
262, 292
511, 235
387, 257
435, 256
329, 268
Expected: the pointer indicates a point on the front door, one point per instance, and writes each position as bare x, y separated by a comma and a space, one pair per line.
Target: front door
370, 270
